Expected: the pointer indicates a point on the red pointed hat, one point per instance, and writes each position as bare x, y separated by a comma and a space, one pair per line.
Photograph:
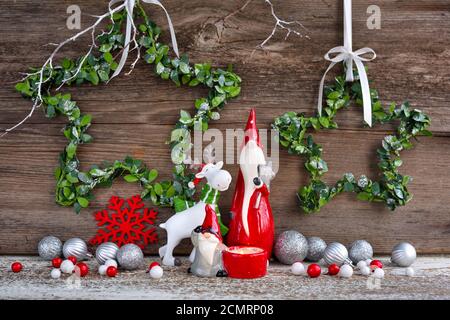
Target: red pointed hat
251, 132
210, 224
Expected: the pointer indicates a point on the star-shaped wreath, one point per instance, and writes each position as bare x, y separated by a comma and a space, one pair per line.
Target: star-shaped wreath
122, 224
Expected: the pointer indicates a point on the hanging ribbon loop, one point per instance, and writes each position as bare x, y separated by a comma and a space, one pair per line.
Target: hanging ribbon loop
129, 7
346, 55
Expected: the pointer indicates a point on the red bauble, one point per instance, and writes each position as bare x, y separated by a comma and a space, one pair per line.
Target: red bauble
111, 271
56, 262
153, 264
16, 267
83, 269
333, 269
376, 264
314, 270
73, 259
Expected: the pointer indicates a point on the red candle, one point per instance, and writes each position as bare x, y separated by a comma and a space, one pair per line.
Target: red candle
245, 262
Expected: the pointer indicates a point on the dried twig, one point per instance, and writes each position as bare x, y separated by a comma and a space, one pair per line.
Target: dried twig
48, 65
282, 24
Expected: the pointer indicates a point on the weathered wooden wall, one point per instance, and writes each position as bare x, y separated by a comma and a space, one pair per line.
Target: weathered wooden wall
134, 114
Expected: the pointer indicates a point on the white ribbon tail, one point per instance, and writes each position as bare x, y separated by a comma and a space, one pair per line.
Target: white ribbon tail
129, 6
367, 101
169, 21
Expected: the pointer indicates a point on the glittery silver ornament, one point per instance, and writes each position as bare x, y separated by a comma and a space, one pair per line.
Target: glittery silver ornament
360, 250
404, 254
50, 247
290, 246
106, 251
130, 257
316, 247
75, 247
336, 253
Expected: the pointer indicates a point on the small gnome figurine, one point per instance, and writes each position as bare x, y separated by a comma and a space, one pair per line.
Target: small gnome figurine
208, 245
251, 215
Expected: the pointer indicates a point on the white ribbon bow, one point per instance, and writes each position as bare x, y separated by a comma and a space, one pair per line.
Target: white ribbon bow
129, 6
346, 54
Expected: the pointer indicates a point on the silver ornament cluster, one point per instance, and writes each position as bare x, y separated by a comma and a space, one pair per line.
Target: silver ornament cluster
360, 250
290, 246
106, 251
75, 247
404, 254
50, 247
336, 253
130, 257
316, 248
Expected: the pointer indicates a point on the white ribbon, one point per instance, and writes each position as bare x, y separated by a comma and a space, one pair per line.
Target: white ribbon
129, 6
348, 56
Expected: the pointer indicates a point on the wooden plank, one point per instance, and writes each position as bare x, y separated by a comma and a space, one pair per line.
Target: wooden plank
134, 114
28, 161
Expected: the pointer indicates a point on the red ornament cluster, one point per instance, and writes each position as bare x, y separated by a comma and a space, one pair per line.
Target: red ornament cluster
314, 270
376, 264
73, 259
126, 224
333, 269
16, 267
82, 269
153, 264
111, 271
56, 262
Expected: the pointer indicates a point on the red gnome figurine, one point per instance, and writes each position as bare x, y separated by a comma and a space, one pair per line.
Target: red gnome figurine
251, 221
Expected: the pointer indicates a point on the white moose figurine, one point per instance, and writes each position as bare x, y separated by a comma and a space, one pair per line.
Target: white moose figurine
181, 224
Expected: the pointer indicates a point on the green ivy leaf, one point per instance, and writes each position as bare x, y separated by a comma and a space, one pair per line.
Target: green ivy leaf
84, 203
152, 175
85, 120
158, 189
131, 178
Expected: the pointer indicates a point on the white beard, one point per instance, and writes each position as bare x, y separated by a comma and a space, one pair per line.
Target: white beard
207, 248
250, 158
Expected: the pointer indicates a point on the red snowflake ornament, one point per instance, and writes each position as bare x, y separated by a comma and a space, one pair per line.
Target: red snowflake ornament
129, 224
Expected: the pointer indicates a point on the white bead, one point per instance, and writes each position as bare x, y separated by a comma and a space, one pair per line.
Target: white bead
298, 268
67, 266
409, 272
361, 264
156, 272
111, 262
368, 261
346, 271
378, 273
102, 270
55, 274
365, 271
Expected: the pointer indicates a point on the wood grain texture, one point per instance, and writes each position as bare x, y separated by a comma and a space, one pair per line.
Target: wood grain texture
134, 114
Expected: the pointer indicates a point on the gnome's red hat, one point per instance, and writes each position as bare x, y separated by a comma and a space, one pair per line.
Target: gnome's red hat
251, 132
210, 224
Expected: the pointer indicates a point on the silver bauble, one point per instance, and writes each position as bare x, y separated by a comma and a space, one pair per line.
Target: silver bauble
106, 251
50, 247
130, 257
75, 247
360, 250
404, 254
316, 247
290, 246
336, 253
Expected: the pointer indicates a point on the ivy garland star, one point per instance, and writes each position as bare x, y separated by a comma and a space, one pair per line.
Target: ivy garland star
74, 187
392, 187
